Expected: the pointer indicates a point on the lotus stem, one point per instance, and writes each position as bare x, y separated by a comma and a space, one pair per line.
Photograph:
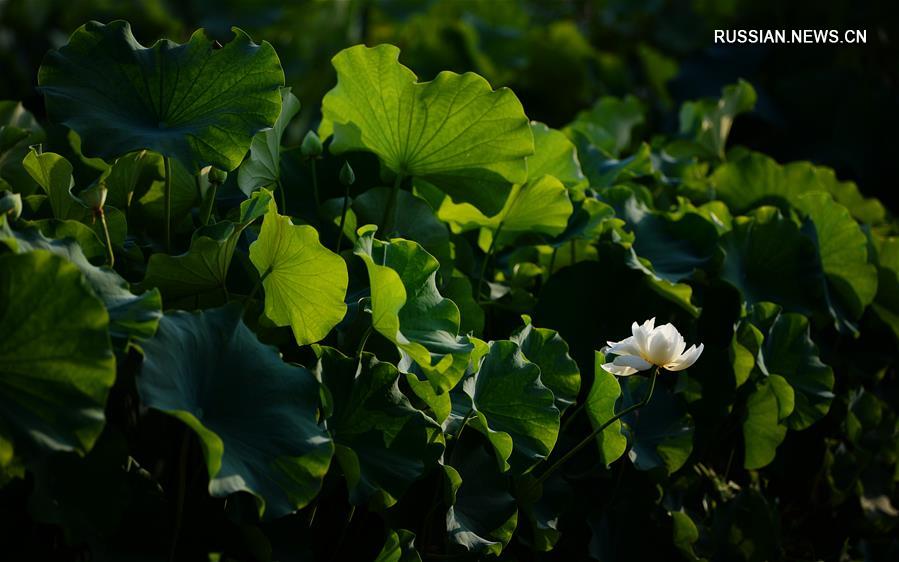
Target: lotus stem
167, 202
209, 203
283, 196
587, 440
109, 252
487, 257
346, 200
387, 222
255, 288
182, 491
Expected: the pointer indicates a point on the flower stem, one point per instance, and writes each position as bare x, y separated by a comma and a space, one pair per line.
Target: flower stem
487, 258
587, 440
109, 251
209, 203
465, 421
181, 491
167, 201
256, 287
283, 196
346, 200
387, 222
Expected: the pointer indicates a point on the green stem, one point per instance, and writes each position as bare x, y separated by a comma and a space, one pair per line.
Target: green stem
283, 195
389, 217
346, 200
314, 184
487, 257
587, 440
552, 260
167, 201
343, 533
571, 415
256, 287
465, 421
109, 251
182, 491
362, 342
209, 203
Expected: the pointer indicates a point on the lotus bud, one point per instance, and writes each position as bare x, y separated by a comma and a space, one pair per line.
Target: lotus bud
347, 176
217, 176
312, 145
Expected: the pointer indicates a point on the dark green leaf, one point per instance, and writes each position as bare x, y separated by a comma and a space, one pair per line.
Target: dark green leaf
191, 101
255, 415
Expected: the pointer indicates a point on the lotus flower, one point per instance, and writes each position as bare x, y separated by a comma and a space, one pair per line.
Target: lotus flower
650, 346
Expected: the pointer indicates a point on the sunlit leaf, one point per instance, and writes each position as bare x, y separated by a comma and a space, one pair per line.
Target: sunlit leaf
455, 131
408, 310
305, 283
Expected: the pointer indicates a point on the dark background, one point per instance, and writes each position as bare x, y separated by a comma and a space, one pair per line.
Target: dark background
836, 105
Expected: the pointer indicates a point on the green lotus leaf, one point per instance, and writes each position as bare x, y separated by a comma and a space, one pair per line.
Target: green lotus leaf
185, 192
85, 236
843, 249
305, 283
556, 156
263, 167
383, 444
414, 220
605, 171
506, 401
192, 101
600, 408
458, 288
762, 430
197, 277
769, 259
789, 351
886, 304
18, 130
56, 363
130, 315
54, 174
483, 514
660, 433
399, 547
675, 243
608, 125
708, 122
539, 206
749, 179
134, 175
255, 415
455, 131
558, 371
408, 310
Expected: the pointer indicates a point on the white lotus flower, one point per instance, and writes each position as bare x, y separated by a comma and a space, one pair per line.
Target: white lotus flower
649, 347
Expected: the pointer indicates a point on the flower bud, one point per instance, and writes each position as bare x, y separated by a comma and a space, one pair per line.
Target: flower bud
95, 197
217, 176
312, 145
10, 204
347, 176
